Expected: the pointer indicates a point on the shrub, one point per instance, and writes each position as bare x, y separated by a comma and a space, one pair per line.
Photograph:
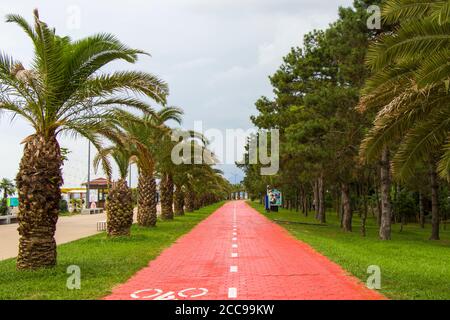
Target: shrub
63, 206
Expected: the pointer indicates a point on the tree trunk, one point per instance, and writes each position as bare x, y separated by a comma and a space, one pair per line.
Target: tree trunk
386, 219
321, 192
197, 202
39, 181
305, 203
421, 211
434, 203
377, 198
347, 214
119, 209
316, 198
394, 209
365, 212
147, 200
178, 201
338, 197
166, 190
189, 200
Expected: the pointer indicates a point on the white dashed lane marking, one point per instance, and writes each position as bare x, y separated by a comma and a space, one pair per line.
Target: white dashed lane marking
232, 293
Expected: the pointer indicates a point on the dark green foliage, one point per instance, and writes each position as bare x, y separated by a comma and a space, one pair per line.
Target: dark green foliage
405, 206
3, 207
63, 206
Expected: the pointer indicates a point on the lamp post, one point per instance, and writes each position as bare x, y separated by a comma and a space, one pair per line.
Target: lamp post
88, 184
235, 183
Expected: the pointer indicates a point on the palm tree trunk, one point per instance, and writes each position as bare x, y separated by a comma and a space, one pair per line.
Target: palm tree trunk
147, 200
39, 181
386, 219
178, 201
166, 189
119, 209
347, 210
189, 200
434, 203
197, 202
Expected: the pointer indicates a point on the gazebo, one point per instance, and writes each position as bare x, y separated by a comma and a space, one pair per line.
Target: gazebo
98, 189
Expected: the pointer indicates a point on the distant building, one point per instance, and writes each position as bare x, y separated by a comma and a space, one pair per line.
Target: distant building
98, 190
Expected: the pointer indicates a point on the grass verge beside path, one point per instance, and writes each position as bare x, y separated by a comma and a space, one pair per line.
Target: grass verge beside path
412, 267
104, 262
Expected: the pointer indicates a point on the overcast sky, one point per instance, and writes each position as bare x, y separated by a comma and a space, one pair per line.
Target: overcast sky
216, 55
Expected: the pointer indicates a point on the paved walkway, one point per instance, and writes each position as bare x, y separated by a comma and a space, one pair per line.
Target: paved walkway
68, 229
237, 253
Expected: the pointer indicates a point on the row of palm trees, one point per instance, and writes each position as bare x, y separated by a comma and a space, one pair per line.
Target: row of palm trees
147, 142
65, 92
409, 90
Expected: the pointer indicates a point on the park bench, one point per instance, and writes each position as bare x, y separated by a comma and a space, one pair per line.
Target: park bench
8, 219
92, 211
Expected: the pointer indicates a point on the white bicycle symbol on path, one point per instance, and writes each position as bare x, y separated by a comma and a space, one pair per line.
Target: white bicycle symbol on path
159, 294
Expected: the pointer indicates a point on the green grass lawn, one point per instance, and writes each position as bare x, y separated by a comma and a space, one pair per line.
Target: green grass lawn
412, 267
104, 262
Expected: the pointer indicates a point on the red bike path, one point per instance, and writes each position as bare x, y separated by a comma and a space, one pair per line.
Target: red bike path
238, 254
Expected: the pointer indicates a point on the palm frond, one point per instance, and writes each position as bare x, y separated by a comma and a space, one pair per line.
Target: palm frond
423, 140
435, 69
444, 162
394, 11
121, 82
413, 39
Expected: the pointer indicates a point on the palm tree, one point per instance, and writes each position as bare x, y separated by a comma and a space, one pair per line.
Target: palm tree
189, 197
166, 169
173, 176
412, 74
145, 136
63, 92
422, 34
178, 200
185, 174
119, 204
7, 188
410, 89
203, 185
166, 189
